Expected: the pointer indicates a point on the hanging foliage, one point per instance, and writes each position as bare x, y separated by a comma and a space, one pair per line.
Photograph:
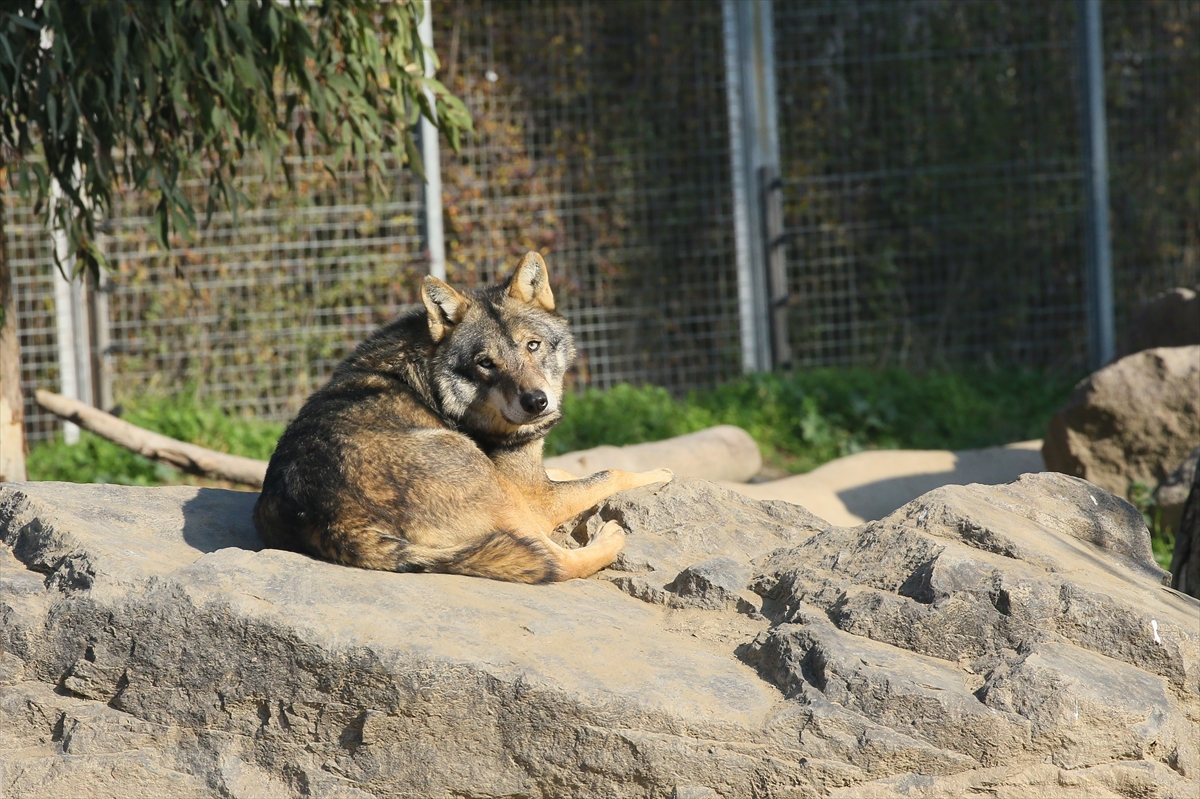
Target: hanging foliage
109, 95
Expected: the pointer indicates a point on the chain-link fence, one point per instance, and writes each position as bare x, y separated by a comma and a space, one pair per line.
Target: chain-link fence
602, 140
31, 259
932, 198
933, 191
257, 312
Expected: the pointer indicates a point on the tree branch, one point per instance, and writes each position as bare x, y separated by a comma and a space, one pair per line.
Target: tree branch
155, 446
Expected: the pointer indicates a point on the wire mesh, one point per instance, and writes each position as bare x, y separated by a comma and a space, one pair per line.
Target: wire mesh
931, 163
31, 261
256, 312
933, 199
602, 140
1152, 60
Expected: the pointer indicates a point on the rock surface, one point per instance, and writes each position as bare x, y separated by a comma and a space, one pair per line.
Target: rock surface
1172, 319
1134, 420
1011, 640
724, 452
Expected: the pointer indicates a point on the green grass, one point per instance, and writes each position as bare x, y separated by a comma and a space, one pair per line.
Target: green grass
805, 419
1162, 537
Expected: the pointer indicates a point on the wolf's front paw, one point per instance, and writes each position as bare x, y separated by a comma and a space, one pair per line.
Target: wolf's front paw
656, 476
610, 530
611, 535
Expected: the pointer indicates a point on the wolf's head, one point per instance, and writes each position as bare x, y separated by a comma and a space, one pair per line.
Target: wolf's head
499, 355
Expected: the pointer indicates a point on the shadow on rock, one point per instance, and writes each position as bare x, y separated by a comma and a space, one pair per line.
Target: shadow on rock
877, 499
217, 518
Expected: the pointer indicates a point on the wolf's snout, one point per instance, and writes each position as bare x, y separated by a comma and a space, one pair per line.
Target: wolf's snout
534, 401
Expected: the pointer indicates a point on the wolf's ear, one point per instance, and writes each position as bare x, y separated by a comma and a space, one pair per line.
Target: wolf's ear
531, 283
444, 305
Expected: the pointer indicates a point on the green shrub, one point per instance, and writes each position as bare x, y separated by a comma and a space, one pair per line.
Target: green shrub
804, 419
1162, 537
623, 415
94, 460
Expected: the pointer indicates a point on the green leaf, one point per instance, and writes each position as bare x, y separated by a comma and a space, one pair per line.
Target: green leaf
413, 155
162, 229
24, 22
184, 88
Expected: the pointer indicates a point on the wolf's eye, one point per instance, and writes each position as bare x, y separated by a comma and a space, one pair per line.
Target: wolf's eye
486, 362
534, 345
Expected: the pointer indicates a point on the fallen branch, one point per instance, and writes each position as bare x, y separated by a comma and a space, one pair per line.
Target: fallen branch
155, 446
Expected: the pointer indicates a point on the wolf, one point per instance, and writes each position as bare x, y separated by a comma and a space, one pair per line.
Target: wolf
424, 450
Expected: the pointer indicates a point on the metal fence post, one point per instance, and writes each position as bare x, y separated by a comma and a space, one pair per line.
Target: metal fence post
101, 331
64, 324
775, 243
753, 146
1097, 238
432, 230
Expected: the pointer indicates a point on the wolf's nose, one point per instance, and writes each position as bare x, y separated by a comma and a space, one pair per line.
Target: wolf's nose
534, 401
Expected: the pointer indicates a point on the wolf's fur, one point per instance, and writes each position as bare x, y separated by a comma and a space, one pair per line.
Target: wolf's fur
424, 450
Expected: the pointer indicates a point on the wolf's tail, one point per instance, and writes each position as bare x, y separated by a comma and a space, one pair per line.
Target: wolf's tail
502, 555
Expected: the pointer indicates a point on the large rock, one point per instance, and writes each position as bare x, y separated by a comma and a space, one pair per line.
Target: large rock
1172, 319
724, 452
1133, 421
1015, 636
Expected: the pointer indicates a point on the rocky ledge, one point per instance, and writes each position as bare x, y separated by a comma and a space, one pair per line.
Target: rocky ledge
1012, 640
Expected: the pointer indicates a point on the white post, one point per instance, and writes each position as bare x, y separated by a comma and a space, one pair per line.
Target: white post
102, 360
83, 339
64, 320
435, 239
71, 324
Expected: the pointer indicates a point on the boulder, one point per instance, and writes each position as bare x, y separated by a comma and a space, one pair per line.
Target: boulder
1017, 636
1133, 421
724, 452
1172, 319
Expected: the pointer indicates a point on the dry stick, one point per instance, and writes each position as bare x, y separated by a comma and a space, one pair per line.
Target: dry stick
155, 446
